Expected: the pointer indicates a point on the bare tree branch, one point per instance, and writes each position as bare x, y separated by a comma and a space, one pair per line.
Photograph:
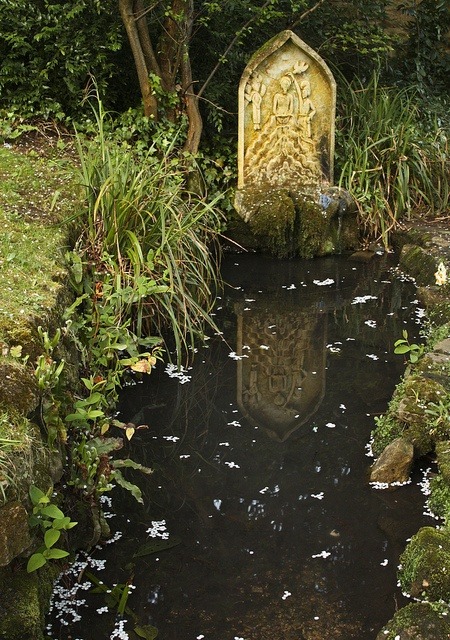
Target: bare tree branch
227, 51
306, 13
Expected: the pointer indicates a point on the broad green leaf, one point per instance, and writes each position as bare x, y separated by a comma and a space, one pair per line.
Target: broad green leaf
36, 561
52, 511
129, 486
131, 464
36, 494
50, 537
55, 554
402, 348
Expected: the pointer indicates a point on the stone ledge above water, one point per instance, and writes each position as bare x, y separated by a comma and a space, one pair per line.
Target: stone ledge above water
287, 224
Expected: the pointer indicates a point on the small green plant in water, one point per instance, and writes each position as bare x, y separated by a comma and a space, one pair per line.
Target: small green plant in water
52, 521
403, 346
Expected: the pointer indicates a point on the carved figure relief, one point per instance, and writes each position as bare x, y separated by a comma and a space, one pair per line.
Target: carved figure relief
254, 92
286, 113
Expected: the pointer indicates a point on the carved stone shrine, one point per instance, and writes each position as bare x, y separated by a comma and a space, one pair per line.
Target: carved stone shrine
287, 99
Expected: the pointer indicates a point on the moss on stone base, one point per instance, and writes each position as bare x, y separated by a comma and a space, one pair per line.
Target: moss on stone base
273, 225
288, 223
418, 621
425, 565
25, 598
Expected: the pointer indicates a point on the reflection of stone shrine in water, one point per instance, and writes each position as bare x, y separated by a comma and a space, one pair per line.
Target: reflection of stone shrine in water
281, 373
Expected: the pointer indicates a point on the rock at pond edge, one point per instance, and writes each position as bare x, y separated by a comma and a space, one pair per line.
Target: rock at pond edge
394, 464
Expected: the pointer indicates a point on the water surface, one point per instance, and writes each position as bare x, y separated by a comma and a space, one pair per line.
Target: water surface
260, 465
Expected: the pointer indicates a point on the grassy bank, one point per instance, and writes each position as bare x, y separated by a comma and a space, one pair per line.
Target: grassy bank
38, 191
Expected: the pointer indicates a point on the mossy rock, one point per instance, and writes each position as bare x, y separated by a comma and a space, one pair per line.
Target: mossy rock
418, 392
418, 263
417, 621
289, 223
387, 430
443, 459
425, 565
273, 223
18, 389
25, 598
439, 499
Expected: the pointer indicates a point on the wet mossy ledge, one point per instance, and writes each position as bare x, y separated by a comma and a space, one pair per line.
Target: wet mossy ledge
419, 415
285, 224
38, 192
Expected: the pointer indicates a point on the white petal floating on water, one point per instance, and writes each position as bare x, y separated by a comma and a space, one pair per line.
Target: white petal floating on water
372, 356
363, 299
322, 554
285, 595
323, 283
263, 346
318, 496
232, 465
234, 356
330, 425
371, 323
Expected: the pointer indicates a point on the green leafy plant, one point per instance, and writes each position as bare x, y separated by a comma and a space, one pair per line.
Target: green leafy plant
391, 158
52, 522
149, 240
404, 346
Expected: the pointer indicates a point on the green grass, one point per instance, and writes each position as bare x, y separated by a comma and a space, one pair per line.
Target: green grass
37, 192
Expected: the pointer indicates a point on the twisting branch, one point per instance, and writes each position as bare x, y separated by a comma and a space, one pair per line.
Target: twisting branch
227, 51
306, 13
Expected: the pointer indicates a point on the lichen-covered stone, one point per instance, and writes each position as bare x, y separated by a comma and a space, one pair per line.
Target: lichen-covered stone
394, 464
14, 532
417, 621
425, 571
439, 498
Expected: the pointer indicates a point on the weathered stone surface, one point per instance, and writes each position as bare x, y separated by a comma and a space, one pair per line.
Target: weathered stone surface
443, 347
14, 532
416, 621
287, 98
394, 464
419, 263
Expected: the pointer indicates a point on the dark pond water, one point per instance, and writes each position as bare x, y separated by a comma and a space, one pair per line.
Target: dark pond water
260, 469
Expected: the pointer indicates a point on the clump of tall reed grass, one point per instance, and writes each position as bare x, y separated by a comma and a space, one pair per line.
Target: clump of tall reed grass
151, 237
392, 160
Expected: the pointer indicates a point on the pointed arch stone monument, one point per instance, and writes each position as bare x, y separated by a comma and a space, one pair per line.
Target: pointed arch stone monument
287, 101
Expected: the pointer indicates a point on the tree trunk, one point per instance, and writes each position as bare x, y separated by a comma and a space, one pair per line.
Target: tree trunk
128, 18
